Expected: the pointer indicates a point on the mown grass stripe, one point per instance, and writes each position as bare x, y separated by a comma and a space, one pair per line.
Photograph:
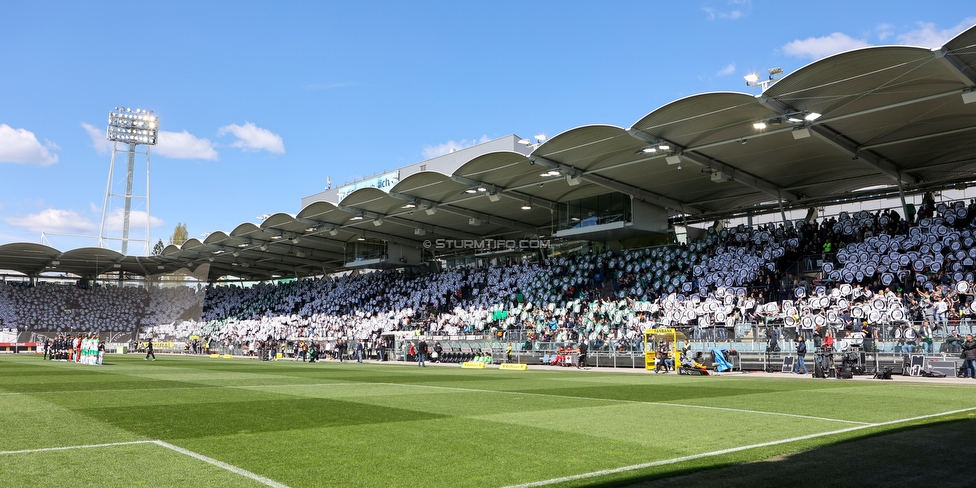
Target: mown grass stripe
663, 404
693, 457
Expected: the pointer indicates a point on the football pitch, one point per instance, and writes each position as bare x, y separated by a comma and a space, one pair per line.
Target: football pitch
196, 421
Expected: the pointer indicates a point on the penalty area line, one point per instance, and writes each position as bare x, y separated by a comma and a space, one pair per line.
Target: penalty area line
220, 464
665, 462
68, 448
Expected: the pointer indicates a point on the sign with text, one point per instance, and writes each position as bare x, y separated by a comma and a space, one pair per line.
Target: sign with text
383, 182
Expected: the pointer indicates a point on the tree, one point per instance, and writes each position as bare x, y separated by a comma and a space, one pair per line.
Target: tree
158, 248
180, 235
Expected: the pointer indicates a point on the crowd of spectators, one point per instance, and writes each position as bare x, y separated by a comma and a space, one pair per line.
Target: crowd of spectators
873, 273
56, 307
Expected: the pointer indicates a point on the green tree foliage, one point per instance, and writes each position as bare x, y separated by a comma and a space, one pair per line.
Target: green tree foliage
158, 248
180, 235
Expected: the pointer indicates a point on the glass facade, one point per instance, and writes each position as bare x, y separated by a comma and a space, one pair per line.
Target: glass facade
595, 210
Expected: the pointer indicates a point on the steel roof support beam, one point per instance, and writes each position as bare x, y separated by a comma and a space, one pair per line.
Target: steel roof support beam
509, 192
734, 174
742, 177
917, 138
633, 191
964, 73
447, 207
845, 144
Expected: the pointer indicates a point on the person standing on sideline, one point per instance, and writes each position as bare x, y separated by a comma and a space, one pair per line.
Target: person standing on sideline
422, 352
969, 348
149, 351
583, 348
801, 350
359, 351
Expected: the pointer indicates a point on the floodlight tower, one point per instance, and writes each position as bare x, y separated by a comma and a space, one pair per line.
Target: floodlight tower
127, 129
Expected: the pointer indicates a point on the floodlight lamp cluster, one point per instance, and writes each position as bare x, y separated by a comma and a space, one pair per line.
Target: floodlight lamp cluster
752, 79
653, 148
539, 139
132, 126
798, 119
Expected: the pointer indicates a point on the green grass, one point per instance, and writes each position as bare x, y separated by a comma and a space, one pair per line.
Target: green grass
348, 424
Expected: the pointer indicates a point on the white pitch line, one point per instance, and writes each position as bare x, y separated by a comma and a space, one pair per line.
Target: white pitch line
67, 448
729, 451
663, 404
220, 464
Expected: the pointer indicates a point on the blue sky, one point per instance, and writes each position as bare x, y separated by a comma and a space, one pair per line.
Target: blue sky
260, 102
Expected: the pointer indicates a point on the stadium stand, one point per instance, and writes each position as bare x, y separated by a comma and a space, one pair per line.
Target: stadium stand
872, 278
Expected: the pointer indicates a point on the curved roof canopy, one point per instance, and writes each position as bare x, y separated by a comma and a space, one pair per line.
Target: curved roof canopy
878, 117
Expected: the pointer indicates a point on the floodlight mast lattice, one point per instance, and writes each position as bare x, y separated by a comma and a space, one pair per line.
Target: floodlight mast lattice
127, 129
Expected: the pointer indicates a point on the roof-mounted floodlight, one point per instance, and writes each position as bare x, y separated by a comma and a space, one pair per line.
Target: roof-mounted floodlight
810, 117
132, 127
752, 79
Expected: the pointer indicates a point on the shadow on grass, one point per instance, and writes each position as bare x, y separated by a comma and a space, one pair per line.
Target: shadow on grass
936, 454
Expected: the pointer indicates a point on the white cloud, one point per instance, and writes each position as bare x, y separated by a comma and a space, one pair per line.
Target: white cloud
727, 70
54, 220
927, 35
714, 13
884, 31
137, 219
183, 145
21, 146
60, 221
451, 146
253, 138
102, 145
819, 47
